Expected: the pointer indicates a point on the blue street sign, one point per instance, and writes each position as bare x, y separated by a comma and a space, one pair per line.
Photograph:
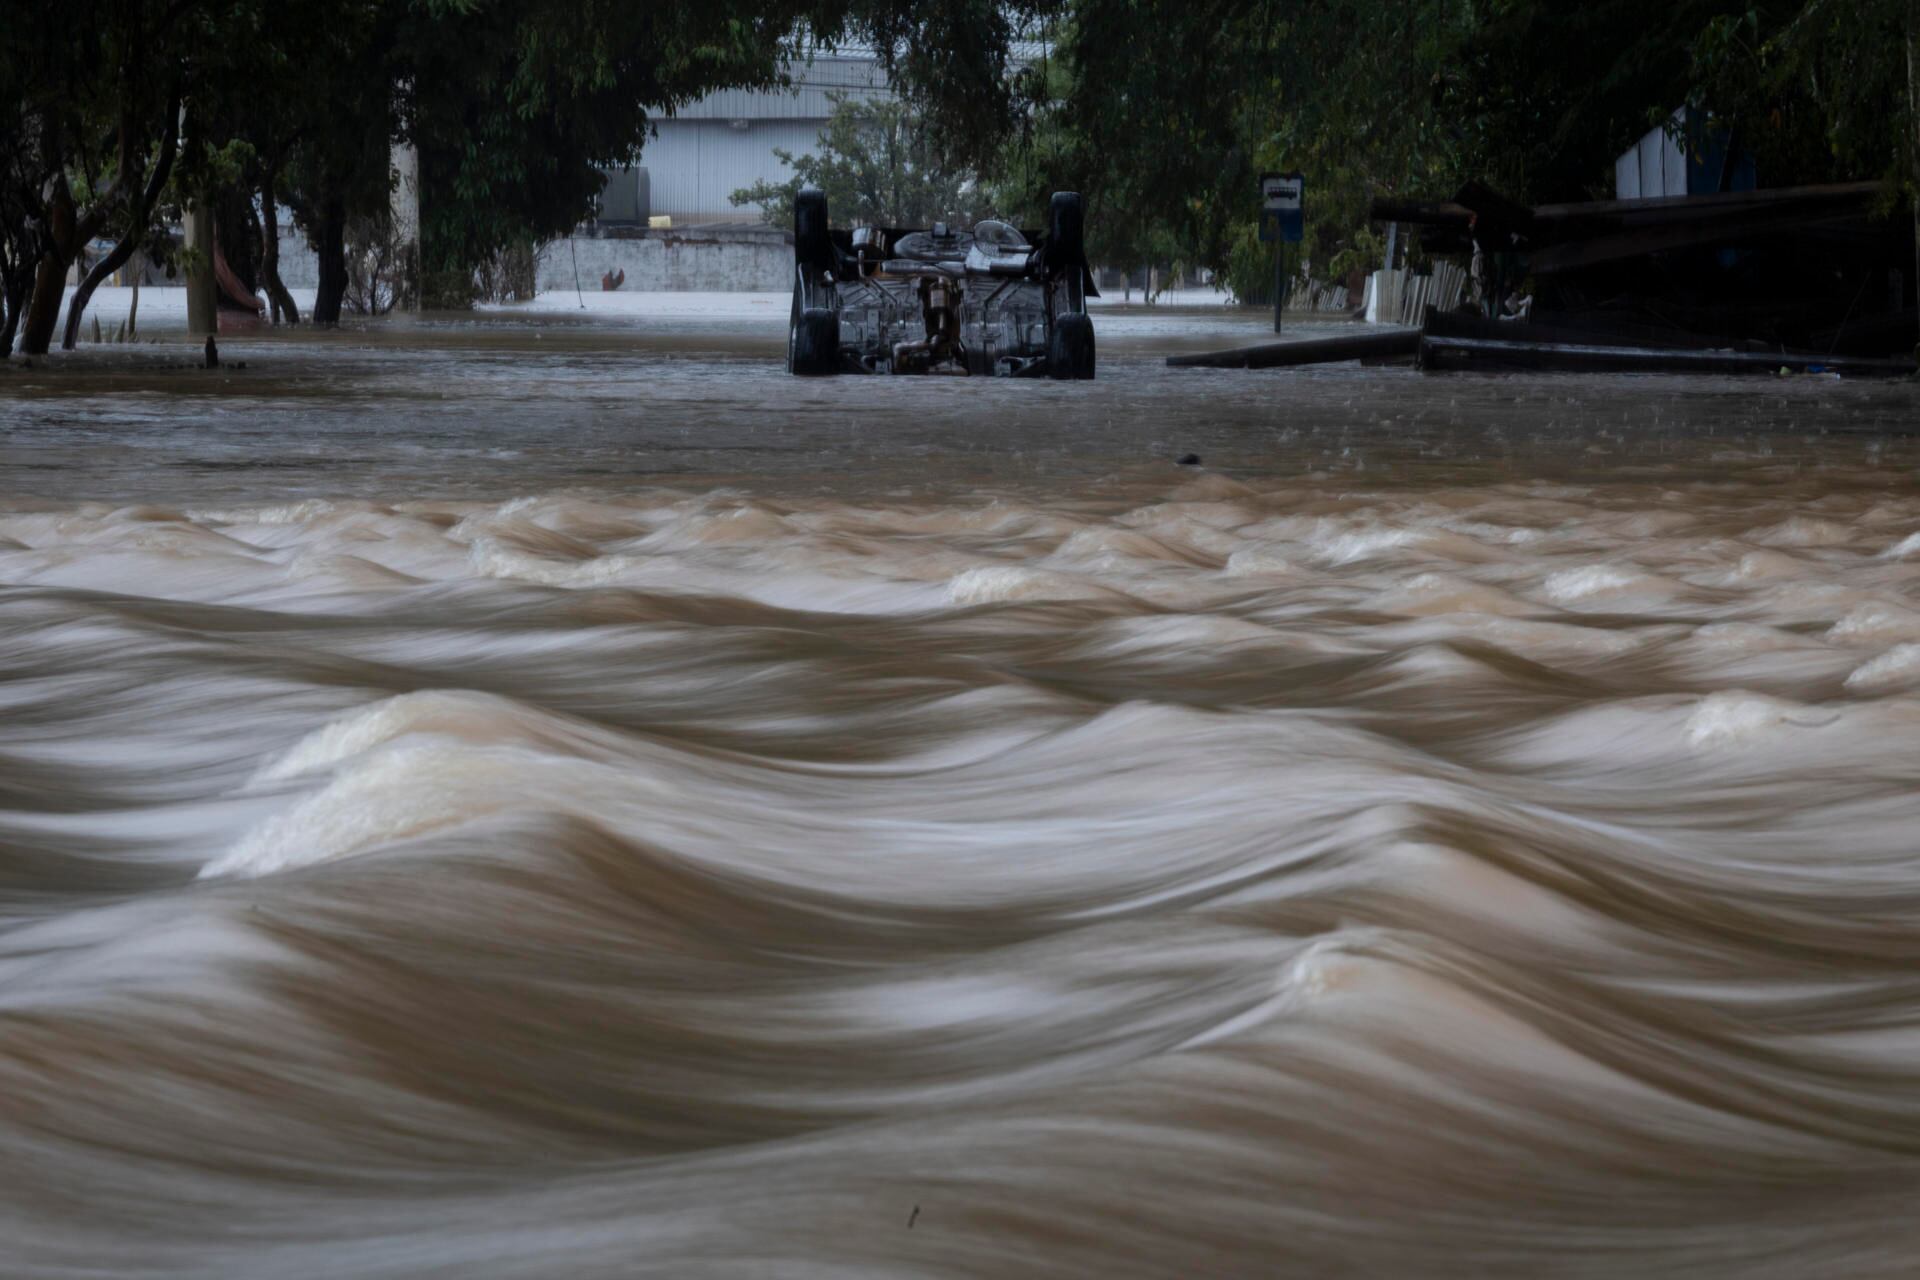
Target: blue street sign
1281, 215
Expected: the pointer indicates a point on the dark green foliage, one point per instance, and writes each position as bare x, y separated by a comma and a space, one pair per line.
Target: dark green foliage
878, 165
1162, 112
514, 106
89, 123
1166, 111
1818, 90
1165, 114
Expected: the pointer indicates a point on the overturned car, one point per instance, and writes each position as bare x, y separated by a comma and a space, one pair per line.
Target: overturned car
993, 300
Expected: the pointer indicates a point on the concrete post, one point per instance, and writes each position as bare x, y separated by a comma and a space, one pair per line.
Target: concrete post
1913, 127
203, 297
405, 205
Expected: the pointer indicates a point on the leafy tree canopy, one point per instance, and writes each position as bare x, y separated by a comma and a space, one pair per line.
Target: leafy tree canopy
116, 113
878, 165
514, 106
1164, 112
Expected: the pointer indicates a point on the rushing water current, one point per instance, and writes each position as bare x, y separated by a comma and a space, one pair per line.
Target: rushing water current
567, 800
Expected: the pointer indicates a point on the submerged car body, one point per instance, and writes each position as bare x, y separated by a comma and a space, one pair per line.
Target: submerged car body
989, 300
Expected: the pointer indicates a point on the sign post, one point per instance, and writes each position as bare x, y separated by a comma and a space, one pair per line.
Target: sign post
1282, 222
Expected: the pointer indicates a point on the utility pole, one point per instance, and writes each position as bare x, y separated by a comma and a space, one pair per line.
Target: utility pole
203, 291
1913, 141
1279, 283
1281, 221
203, 298
404, 203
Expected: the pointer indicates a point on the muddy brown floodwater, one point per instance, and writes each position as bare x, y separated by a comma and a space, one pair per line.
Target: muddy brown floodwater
553, 796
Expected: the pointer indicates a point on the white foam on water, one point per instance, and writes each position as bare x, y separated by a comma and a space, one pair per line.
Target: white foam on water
532, 883
1897, 668
1000, 584
395, 792
1573, 586
1347, 546
1735, 717
1877, 622
1259, 560
452, 713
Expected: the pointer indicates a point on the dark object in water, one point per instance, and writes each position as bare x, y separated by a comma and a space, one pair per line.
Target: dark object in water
990, 300
212, 356
1797, 269
1189, 460
1273, 355
1454, 342
1517, 352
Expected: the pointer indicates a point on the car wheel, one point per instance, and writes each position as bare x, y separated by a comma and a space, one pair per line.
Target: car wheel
1066, 231
793, 327
813, 344
1070, 348
812, 246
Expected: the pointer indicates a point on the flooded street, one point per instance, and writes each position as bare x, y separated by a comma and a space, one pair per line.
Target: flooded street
552, 795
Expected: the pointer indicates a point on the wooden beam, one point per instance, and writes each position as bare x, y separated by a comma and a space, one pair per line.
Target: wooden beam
1638, 243
1719, 202
1423, 213
1492, 354
1274, 355
1497, 215
1550, 222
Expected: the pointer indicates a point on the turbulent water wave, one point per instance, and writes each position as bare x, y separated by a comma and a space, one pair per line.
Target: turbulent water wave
1499, 879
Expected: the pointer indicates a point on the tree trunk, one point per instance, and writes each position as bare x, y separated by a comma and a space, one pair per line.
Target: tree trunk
283, 303
116, 258
145, 195
43, 310
332, 247
18, 287
13, 296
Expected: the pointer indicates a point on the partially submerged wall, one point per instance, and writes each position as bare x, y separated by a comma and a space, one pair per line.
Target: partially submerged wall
716, 259
710, 259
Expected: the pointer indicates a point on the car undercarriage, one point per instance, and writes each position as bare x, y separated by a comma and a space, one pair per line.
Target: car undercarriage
991, 300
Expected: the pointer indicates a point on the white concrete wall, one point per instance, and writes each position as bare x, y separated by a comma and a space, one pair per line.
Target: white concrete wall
725, 260
299, 265
672, 262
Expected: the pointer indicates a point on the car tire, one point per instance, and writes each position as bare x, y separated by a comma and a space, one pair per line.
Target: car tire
1066, 231
813, 344
812, 246
1070, 348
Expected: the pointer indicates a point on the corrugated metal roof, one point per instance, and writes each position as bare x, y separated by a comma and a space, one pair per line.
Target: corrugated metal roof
700, 155
853, 71
695, 165
807, 99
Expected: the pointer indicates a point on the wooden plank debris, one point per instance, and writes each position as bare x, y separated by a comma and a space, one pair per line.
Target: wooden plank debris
1453, 342
1518, 353
1274, 355
1796, 269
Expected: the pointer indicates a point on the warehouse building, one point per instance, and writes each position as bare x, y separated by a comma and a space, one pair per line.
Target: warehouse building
725, 141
